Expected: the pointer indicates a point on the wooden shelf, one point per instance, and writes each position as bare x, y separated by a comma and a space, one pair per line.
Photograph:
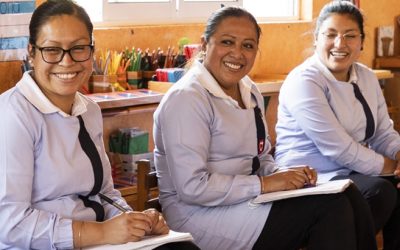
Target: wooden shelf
387, 62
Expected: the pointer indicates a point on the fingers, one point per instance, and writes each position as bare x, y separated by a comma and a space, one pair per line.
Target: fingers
311, 175
161, 227
125, 227
302, 176
153, 214
148, 222
139, 223
397, 170
140, 216
299, 176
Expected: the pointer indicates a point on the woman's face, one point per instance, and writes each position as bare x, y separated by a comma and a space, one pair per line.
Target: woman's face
63, 79
338, 44
231, 51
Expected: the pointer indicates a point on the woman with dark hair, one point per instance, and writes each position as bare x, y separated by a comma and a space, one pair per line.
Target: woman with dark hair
53, 163
332, 116
211, 156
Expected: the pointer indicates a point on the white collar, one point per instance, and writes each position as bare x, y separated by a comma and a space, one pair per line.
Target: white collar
34, 95
328, 74
210, 84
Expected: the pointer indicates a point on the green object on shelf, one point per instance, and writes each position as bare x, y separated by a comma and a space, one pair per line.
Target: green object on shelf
129, 141
139, 143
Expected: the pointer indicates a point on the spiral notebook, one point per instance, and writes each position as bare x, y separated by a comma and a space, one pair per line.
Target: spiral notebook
329, 187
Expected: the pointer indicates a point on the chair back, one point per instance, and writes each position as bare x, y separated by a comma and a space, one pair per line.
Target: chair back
147, 187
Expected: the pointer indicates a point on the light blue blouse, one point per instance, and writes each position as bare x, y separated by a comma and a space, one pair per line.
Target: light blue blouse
321, 123
43, 168
204, 149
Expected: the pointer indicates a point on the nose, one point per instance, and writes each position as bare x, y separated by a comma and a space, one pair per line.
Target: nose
66, 59
236, 51
339, 41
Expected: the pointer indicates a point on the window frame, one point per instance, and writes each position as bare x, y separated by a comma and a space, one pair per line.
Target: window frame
119, 12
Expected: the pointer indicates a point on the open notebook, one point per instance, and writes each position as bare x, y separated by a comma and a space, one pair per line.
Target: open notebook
147, 243
329, 187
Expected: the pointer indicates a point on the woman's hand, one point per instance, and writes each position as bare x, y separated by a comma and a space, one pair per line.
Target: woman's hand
126, 227
397, 170
389, 166
159, 226
289, 179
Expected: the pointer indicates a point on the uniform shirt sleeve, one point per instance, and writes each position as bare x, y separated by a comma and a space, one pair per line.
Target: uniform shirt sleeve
386, 140
23, 226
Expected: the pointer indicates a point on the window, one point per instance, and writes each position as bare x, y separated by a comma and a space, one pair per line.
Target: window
183, 11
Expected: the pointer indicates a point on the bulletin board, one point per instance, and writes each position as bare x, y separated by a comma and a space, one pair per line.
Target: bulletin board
14, 28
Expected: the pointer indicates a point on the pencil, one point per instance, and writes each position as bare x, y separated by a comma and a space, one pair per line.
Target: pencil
110, 201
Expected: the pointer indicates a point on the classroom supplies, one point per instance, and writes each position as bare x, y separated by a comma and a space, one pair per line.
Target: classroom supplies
169, 74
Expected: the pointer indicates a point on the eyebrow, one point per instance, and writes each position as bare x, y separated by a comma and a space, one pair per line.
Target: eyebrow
348, 30
234, 37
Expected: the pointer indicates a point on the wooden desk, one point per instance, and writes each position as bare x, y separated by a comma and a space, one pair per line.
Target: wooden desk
383, 74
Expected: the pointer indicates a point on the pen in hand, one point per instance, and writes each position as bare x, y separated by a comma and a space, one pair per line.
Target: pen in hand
110, 201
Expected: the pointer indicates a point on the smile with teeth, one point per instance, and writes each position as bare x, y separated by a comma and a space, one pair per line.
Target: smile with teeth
233, 66
339, 54
66, 76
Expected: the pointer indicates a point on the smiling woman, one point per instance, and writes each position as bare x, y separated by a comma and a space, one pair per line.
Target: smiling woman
49, 129
332, 115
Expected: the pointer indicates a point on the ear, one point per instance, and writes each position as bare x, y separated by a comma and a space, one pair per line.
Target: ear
31, 50
203, 44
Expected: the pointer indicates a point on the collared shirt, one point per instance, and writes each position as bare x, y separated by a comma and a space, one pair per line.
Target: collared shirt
32, 92
322, 124
204, 148
43, 169
245, 91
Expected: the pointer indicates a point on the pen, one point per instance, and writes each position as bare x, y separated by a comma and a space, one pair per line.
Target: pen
110, 201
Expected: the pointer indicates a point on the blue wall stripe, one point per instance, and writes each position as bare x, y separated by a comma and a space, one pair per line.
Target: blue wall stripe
17, 7
14, 43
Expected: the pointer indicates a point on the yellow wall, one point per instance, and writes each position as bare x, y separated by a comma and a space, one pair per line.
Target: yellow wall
282, 47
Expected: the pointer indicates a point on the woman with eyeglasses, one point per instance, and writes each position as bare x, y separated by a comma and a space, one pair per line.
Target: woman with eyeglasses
332, 116
53, 163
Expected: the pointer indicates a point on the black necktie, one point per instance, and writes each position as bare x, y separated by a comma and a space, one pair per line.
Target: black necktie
369, 131
91, 151
260, 138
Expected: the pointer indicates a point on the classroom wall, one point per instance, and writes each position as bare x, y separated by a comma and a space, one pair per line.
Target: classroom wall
282, 45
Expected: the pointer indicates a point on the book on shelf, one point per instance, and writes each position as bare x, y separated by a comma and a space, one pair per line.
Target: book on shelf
148, 242
329, 187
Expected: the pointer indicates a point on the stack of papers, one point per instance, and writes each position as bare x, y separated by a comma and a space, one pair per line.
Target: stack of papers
329, 187
147, 243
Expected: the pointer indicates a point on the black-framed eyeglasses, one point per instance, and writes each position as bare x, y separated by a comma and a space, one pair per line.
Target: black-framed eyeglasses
53, 55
